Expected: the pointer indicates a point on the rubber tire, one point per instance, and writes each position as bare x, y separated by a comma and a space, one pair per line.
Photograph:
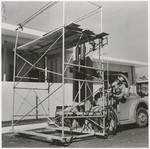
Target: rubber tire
114, 118
108, 132
138, 121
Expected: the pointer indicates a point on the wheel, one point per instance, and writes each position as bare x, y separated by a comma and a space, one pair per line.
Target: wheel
57, 142
111, 123
142, 117
60, 143
65, 144
102, 137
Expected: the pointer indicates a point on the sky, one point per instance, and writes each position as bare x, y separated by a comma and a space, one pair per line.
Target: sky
128, 31
126, 22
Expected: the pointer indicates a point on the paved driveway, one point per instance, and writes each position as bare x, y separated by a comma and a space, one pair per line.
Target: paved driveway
128, 136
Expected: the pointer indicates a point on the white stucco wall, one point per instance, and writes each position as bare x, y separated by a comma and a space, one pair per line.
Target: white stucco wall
55, 99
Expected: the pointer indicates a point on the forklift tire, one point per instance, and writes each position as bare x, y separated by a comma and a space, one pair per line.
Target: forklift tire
141, 117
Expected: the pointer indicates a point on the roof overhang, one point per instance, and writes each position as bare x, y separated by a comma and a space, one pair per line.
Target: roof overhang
123, 61
10, 30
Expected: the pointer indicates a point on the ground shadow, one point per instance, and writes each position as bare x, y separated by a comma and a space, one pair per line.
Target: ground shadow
126, 127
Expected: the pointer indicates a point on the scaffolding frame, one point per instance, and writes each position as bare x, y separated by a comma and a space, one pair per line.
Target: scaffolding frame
85, 133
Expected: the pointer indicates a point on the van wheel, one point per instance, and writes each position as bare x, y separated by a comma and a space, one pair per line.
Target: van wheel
141, 117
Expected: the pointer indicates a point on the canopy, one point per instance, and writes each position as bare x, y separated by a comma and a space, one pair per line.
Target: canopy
73, 36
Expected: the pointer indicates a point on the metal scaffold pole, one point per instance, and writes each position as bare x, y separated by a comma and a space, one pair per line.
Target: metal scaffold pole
63, 71
102, 60
90, 111
47, 81
14, 78
101, 17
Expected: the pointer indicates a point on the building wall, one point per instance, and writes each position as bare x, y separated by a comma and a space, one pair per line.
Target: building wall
123, 68
8, 44
26, 105
54, 100
117, 68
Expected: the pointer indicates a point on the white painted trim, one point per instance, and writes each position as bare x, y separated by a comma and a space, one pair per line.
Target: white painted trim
123, 61
142, 81
29, 31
